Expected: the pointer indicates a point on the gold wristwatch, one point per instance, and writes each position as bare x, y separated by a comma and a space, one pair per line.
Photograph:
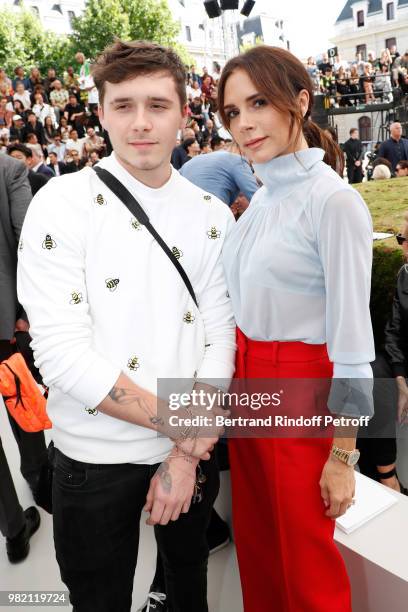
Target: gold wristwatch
348, 457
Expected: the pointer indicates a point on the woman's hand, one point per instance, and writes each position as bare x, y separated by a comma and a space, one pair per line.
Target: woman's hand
337, 485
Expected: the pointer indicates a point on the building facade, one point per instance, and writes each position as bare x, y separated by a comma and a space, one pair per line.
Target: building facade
54, 15
371, 25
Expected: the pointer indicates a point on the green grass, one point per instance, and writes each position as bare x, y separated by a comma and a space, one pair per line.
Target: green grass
387, 201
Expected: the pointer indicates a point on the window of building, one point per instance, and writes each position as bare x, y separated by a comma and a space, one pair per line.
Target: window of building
363, 50
57, 7
188, 33
182, 2
360, 19
364, 128
390, 11
390, 42
71, 16
35, 10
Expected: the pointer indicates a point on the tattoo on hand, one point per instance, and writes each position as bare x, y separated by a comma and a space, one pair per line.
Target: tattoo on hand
165, 476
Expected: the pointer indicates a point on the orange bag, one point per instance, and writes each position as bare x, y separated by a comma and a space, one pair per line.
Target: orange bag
22, 396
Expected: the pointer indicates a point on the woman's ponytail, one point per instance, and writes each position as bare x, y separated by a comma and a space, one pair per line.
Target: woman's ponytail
316, 137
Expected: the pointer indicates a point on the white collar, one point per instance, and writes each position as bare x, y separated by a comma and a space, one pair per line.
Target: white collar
286, 168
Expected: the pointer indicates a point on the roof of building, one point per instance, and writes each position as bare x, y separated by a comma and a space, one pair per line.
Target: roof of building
374, 6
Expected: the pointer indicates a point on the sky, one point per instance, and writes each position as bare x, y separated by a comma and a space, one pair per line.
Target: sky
307, 23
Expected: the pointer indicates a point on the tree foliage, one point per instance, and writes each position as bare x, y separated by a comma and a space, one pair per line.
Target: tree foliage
103, 20
25, 42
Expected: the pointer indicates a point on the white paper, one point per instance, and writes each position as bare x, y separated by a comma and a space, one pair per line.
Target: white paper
381, 235
372, 498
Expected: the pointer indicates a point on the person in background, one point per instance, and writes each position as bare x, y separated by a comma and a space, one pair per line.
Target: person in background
179, 155
20, 78
381, 172
49, 81
378, 446
59, 98
76, 143
353, 149
25, 154
401, 168
394, 149
205, 147
33, 126
6, 115
217, 143
23, 95
42, 110
57, 167
58, 147
224, 174
74, 161
191, 147
17, 130
16, 525
94, 142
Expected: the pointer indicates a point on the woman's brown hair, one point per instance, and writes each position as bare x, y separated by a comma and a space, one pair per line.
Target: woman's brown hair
280, 77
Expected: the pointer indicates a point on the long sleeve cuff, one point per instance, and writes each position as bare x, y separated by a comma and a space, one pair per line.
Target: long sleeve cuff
399, 369
95, 383
218, 365
351, 392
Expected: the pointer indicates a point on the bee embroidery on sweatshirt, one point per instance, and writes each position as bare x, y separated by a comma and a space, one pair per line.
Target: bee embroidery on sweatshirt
135, 224
213, 233
92, 411
49, 243
189, 317
76, 298
176, 252
207, 198
133, 364
100, 200
112, 283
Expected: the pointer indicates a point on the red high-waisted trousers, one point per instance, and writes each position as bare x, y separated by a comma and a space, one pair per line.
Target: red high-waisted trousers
287, 558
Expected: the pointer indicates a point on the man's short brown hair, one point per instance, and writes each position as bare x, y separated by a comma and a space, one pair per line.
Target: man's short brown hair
122, 61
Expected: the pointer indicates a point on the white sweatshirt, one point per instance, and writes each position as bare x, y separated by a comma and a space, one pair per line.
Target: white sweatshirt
103, 298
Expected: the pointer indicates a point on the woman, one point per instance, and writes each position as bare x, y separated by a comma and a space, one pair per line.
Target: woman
49, 130
298, 268
368, 80
355, 84
23, 95
343, 88
35, 78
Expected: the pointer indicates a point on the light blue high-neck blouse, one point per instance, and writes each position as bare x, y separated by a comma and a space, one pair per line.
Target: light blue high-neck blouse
298, 262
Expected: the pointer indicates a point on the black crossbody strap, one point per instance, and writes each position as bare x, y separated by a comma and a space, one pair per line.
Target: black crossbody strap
137, 211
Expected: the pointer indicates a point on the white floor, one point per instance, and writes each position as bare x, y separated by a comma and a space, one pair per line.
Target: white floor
39, 572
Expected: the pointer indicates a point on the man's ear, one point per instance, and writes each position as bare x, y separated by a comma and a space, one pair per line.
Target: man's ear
101, 116
184, 117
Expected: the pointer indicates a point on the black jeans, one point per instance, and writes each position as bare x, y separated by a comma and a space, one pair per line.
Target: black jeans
96, 513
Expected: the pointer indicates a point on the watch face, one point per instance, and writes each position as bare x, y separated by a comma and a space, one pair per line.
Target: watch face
354, 457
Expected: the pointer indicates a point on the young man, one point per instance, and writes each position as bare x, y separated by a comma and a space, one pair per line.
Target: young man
115, 317
354, 157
